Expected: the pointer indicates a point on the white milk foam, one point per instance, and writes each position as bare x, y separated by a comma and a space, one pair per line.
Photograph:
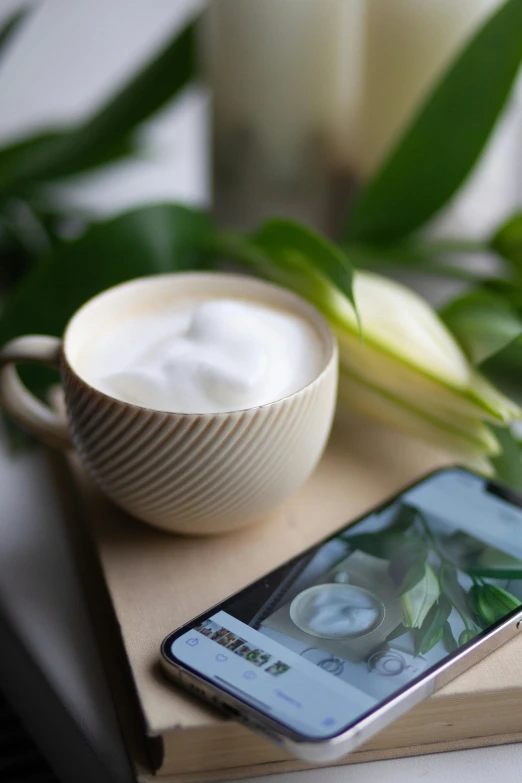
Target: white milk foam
330, 613
207, 357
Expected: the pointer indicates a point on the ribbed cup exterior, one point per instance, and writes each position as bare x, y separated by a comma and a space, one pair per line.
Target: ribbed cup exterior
200, 474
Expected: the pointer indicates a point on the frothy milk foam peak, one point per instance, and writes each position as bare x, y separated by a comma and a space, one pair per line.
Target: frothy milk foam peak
207, 356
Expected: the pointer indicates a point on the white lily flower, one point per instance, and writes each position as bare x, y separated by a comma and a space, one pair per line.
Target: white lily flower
407, 370
410, 351
469, 439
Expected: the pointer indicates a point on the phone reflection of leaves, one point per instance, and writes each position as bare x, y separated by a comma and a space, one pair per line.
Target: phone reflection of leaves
495, 564
385, 542
476, 558
418, 600
450, 643
461, 548
396, 633
431, 631
407, 563
452, 588
495, 573
466, 636
406, 543
491, 603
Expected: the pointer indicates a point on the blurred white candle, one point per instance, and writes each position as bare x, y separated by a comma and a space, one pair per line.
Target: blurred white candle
281, 67
309, 95
283, 75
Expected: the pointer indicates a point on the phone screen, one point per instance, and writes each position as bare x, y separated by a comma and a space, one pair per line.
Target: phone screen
329, 636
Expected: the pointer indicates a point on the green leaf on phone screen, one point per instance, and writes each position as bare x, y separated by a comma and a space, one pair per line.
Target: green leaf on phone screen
452, 588
385, 542
491, 603
450, 643
411, 577
446, 137
407, 562
397, 632
495, 564
432, 628
466, 636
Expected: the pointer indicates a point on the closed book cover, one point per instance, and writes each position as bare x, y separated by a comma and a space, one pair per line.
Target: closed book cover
157, 581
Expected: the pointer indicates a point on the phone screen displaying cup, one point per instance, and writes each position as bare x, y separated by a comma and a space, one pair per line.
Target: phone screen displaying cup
326, 638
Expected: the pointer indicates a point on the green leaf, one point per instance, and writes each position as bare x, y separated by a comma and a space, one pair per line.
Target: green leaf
466, 636
384, 543
417, 256
509, 289
106, 136
483, 323
508, 464
370, 543
297, 249
450, 643
452, 588
412, 576
418, 595
504, 370
496, 573
10, 27
32, 160
396, 633
446, 137
502, 599
404, 517
153, 239
491, 603
407, 564
432, 628
507, 241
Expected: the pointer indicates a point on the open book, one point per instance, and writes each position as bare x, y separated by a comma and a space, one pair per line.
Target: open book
157, 581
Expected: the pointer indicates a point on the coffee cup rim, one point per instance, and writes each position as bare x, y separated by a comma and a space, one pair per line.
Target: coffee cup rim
313, 315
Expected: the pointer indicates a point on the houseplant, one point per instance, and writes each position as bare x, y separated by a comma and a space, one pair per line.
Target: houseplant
46, 275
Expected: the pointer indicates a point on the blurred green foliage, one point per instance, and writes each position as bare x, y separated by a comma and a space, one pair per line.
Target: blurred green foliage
44, 275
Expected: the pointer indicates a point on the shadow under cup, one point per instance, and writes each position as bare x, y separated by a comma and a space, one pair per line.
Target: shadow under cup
187, 473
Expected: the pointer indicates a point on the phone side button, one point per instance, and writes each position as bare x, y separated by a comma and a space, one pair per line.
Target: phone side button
519, 625
227, 709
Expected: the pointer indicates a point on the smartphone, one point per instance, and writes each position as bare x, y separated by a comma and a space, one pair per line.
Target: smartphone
323, 652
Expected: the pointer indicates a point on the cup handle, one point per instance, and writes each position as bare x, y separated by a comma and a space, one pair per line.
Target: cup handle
48, 425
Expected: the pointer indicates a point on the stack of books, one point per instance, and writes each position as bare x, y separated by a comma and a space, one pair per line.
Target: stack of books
142, 583
155, 582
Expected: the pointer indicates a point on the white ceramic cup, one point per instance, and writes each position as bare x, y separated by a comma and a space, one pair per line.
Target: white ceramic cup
302, 600
186, 473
